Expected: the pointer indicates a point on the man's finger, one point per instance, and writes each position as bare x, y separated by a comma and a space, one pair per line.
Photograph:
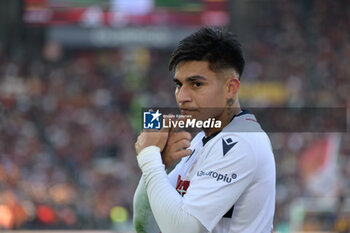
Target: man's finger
175, 123
183, 144
165, 129
175, 137
183, 153
181, 119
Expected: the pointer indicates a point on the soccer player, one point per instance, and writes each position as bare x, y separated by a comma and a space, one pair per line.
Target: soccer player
225, 181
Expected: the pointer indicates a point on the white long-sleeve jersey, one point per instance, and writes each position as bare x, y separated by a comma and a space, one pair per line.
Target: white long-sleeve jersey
226, 185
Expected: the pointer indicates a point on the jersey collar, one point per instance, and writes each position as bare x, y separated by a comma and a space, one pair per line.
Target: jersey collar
206, 139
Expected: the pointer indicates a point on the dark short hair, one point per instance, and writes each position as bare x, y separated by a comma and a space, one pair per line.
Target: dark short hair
220, 48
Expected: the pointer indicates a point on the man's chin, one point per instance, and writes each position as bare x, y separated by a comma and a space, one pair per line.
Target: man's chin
189, 115
198, 117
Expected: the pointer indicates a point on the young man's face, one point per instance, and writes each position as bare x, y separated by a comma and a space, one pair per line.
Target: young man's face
199, 91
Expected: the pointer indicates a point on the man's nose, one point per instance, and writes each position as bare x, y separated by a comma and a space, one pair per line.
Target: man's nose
183, 95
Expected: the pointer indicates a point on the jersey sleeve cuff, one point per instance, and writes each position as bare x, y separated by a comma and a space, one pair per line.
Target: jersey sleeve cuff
149, 158
148, 149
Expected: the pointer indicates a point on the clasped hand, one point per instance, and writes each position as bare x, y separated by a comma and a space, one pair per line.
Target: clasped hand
173, 145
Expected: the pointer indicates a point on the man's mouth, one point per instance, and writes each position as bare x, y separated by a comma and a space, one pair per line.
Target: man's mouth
188, 111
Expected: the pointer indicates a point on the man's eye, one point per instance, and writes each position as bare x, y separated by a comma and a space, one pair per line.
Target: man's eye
178, 84
197, 84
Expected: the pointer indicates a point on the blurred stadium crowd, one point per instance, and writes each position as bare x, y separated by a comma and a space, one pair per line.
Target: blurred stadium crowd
69, 121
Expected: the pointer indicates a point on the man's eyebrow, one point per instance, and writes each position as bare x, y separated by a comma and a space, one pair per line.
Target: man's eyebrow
191, 79
195, 78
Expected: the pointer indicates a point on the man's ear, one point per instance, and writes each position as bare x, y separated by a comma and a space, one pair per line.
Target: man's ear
232, 86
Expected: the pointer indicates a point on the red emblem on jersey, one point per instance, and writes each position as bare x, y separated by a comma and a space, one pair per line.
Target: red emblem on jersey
182, 186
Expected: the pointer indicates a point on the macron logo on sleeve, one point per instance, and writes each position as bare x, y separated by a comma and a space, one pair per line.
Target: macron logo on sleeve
227, 144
